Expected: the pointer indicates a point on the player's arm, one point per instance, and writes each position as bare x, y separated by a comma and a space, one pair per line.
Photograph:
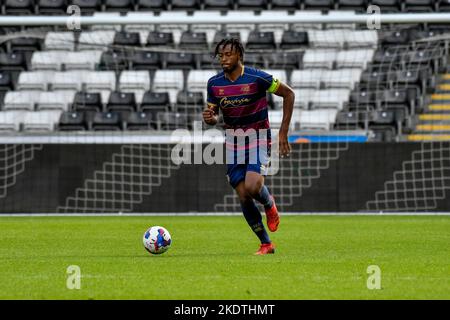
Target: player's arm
211, 114
288, 95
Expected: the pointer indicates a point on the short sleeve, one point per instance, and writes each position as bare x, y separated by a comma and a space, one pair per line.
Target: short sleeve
211, 99
267, 81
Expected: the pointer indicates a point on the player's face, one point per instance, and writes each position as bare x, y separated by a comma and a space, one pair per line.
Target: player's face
228, 58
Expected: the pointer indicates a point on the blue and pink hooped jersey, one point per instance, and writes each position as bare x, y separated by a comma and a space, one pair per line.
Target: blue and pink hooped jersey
243, 102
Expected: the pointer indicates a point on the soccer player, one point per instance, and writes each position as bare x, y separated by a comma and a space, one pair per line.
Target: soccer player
240, 93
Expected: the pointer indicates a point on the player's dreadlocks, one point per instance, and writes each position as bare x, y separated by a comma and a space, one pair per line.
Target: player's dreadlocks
235, 44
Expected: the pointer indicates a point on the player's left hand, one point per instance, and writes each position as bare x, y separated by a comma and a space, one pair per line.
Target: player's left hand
284, 146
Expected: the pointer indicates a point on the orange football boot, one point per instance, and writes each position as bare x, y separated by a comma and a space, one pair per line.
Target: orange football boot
265, 248
273, 219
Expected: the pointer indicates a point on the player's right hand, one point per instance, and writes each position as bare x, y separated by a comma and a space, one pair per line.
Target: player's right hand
209, 117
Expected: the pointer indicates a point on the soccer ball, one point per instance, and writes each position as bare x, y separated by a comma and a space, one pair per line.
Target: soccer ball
157, 240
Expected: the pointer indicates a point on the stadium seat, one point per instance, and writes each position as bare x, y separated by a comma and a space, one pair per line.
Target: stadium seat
207, 61
189, 101
114, 60
87, 101
220, 35
146, 60
172, 120
388, 6
197, 80
244, 28
395, 38
283, 60
139, 121
95, 40
180, 60
341, 78
260, 40
323, 119
99, 81
419, 6
193, 40
6, 81
324, 58
154, 102
14, 61
373, 78
35, 80
337, 13
19, 7
21, 100
309, 78
254, 60
72, 121
302, 98
188, 5
135, 81
293, 39
329, 98
121, 101
41, 120
288, 5
151, 5
252, 4
327, 38
363, 96
88, 7
386, 56
170, 81
218, 4
354, 58
361, 38
119, 5
52, 7
209, 29
349, 120
324, 5
84, 60
355, 5
175, 29
443, 5
11, 120
60, 41
164, 39
131, 39
106, 121
48, 60
70, 80
24, 44
55, 100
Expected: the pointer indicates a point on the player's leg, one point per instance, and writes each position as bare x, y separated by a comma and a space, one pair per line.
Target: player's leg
254, 185
251, 213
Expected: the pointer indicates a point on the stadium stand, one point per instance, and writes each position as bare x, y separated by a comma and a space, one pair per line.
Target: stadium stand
154, 76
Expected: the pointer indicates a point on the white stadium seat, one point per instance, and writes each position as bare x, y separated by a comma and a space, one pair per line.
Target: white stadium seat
21, 100
341, 78
69, 80
41, 120
354, 58
96, 40
309, 78
209, 29
244, 28
135, 81
322, 119
100, 80
361, 38
11, 120
327, 38
35, 80
55, 100
330, 98
175, 29
86, 60
317, 58
60, 41
48, 60
170, 81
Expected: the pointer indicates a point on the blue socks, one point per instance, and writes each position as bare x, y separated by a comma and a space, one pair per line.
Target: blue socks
264, 198
254, 220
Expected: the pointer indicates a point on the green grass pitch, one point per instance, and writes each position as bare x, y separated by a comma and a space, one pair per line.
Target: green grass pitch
318, 257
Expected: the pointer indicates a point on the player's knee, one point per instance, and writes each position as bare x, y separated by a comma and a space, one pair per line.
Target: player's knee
253, 188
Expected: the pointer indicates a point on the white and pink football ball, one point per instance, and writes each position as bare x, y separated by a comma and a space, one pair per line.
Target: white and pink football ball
157, 240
